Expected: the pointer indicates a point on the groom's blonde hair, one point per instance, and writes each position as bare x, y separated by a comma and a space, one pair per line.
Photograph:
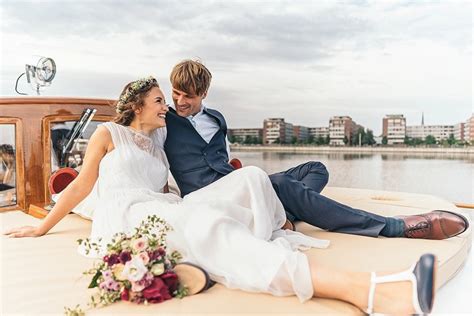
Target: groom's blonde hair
191, 76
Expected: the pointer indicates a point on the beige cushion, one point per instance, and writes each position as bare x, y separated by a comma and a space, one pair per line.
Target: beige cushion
42, 275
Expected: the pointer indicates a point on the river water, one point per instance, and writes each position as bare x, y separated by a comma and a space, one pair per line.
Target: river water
449, 176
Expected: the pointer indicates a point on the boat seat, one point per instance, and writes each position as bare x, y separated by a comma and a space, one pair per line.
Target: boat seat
42, 275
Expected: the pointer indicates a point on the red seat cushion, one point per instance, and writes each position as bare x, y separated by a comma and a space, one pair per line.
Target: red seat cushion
236, 163
60, 179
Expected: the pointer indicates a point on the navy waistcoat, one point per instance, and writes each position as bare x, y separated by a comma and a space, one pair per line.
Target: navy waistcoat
193, 162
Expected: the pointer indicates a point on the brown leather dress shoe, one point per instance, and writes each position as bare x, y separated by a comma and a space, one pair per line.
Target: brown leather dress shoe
434, 225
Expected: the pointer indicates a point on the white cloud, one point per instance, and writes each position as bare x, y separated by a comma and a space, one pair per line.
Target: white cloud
302, 60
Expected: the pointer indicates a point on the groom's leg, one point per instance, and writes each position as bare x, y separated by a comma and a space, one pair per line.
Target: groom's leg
312, 173
302, 202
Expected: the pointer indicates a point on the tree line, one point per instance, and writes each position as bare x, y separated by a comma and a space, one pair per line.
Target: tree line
363, 137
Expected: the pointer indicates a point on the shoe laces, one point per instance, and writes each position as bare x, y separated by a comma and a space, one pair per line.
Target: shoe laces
421, 227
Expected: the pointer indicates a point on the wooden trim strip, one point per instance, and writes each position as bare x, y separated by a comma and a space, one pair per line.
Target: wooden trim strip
41, 101
19, 164
464, 205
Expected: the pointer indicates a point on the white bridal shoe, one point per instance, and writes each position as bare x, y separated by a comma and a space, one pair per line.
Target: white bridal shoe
422, 277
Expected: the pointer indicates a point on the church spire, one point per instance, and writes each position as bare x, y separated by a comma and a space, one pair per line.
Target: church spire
422, 118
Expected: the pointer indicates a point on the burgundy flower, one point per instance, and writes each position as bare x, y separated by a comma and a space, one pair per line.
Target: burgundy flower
125, 256
154, 255
157, 292
112, 259
124, 296
171, 280
161, 251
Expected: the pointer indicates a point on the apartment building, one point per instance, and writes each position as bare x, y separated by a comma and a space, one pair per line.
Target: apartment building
242, 134
341, 128
394, 128
459, 132
277, 129
301, 133
317, 132
469, 130
439, 132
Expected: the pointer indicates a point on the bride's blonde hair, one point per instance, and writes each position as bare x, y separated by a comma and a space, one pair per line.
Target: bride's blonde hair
132, 98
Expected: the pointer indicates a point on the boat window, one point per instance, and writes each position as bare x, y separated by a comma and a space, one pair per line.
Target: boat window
7, 165
66, 150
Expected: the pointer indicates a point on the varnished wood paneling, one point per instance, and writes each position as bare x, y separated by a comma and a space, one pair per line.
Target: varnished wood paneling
31, 112
19, 163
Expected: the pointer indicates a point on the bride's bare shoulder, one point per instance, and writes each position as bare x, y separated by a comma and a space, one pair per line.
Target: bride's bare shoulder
102, 132
102, 138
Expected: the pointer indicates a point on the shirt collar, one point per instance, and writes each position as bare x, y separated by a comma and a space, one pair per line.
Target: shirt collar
191, 117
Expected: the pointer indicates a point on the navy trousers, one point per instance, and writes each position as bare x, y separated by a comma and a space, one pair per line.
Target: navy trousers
299, 191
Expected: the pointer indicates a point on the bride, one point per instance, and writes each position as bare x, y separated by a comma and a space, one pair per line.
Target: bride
230, 228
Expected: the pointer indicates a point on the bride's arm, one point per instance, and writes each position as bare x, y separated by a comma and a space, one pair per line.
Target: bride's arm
100, 142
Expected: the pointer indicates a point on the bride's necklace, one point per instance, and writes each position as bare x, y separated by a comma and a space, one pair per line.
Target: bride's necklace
142, 140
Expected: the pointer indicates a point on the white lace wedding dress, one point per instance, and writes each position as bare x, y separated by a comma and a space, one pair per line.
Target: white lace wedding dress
230, 228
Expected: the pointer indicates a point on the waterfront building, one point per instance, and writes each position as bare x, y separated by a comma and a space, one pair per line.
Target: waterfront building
341, 129
301, 133
469, 130
459, 132
277, 130
318, 132
439, 132
394, 128
242, 134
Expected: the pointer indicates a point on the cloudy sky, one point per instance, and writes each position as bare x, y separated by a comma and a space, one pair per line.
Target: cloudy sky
301, 60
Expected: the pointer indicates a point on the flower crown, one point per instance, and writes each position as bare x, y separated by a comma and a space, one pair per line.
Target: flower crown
135, 87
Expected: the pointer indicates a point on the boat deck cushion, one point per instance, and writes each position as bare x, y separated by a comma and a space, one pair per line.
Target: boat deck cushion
42, 275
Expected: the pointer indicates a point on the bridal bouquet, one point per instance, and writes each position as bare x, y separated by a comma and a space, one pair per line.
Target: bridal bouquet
136, 268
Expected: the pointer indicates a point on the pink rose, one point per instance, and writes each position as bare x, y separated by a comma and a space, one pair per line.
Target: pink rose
144, 257
138, 286
157, 292
139, 244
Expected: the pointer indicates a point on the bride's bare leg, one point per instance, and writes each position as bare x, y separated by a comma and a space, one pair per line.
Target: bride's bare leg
353, 287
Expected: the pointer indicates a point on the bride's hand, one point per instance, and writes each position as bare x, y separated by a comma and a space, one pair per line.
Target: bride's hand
25, 231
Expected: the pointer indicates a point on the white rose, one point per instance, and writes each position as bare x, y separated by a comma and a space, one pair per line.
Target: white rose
157, 269
134, 269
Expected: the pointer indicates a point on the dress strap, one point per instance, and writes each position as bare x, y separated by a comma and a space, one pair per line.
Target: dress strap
120, 134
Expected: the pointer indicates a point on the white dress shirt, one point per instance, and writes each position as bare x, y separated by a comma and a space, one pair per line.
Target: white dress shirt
206, 126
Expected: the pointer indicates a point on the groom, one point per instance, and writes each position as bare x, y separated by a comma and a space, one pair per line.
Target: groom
198, 153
